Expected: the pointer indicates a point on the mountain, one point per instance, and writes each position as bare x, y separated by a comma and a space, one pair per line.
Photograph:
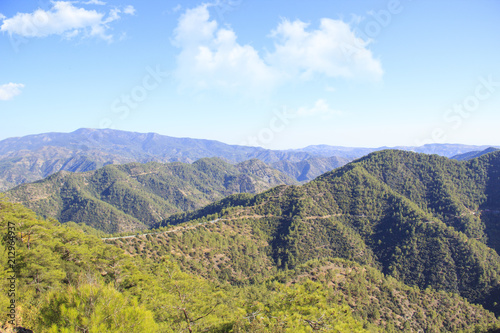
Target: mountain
474, 154
25, 166
423, 219
133, 196
35, 157
71, 281
447, 150
311, 168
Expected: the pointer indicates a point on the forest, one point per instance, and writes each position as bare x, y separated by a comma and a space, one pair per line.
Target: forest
395, 241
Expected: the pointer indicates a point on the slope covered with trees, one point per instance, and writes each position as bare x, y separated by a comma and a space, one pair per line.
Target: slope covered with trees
423, 219
134, 196
70, 281
393, 241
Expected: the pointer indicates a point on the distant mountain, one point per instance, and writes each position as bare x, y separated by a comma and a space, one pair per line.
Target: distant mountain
474, 154
424, 219
133, 196
142, 147
447, 150
310, 168
33, 157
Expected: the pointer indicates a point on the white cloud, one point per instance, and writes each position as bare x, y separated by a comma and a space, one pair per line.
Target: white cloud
114, 14
9, 90
211, 57
95, 2
130, 10
2, 16
71, 34
62, 19
333, 50
320, 108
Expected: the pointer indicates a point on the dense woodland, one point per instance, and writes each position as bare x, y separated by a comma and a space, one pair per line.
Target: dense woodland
71, 281
135, 196
395, 241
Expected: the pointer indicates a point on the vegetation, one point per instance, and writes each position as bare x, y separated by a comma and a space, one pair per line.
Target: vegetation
69, 281
134, 196
395, 241
423, 219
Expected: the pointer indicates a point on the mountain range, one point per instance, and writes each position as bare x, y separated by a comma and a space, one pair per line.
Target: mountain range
34, 157
473, 154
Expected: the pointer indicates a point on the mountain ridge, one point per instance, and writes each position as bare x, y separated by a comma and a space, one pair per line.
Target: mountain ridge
474, 154
33, 157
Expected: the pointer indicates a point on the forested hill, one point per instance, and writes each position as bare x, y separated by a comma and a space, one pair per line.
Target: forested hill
423, 219
133, 196
69, 281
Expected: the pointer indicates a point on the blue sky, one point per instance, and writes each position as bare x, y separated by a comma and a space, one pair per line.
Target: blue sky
277, 74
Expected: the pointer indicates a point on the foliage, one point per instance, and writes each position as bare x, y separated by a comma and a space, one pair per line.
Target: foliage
424, 219
395, 241
130, 197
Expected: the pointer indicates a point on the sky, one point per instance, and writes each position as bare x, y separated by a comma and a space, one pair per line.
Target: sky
275, 74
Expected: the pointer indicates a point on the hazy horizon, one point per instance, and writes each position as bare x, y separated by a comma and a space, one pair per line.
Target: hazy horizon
292, 148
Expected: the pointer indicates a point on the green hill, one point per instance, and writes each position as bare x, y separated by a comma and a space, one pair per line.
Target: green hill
423, 219
134, 196
69, 281
404, 241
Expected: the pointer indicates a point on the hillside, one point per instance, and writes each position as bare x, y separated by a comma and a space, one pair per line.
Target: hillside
68, 281
134, 196
423, 219
26, 166
474, 154
311, 168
